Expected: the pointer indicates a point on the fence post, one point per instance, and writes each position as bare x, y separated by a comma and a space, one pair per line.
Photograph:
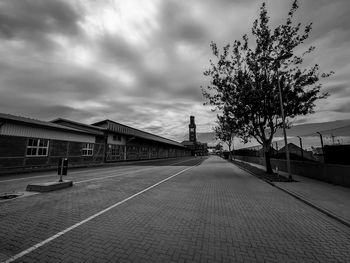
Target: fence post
301, 148
321, 145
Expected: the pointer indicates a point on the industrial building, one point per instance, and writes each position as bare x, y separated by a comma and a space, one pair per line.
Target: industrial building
27, 144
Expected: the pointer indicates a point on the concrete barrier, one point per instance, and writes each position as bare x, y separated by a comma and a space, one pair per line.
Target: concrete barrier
49, 186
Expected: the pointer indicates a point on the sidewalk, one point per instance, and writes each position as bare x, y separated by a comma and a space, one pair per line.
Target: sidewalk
330, 199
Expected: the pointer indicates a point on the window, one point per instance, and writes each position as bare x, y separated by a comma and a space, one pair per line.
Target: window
117, 137
37, 147
115, 150
88, 149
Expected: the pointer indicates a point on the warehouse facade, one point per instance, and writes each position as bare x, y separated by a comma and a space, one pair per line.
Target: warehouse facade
27, 144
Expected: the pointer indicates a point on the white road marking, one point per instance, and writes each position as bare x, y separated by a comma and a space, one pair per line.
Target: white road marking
109, 176
76, 172
120, 174
42, 243
52, 175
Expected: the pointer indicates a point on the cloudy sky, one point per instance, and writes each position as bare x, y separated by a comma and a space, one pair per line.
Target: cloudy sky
141, 63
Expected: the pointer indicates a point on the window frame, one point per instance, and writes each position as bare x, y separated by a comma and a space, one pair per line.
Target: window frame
115, 150
87, 149
40, 145
117, 137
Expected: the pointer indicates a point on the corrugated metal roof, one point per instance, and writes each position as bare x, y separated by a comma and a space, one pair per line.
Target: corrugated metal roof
80, 126
12, 118
124, 129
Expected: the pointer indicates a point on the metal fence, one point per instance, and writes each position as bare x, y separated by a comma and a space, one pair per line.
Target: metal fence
331, 146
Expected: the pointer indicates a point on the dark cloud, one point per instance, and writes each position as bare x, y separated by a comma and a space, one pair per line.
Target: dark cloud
57, 81
333, 14
153, 82
168, 84
156, 129
35, 22
46, 112
178, 24
338, 89
343, 107
115, 49
299, 121
26, 17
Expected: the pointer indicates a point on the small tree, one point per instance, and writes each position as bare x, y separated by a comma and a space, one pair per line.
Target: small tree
218, 148
225, 131
245, 80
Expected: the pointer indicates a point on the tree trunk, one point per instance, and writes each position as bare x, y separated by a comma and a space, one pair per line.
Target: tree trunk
233, 152
268, 161
229, 153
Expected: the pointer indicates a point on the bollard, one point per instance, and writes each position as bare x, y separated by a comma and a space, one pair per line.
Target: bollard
62, 167
278, 175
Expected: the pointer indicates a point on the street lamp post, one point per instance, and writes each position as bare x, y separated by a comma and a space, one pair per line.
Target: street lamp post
279, 59
321, 144
284, 127
283, 57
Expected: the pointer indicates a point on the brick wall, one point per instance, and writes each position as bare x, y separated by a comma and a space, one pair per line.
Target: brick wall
13, 154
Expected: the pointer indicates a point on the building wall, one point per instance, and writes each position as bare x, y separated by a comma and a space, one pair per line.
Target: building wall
13, 154
143, 152
110, 139
13, 129
14, 140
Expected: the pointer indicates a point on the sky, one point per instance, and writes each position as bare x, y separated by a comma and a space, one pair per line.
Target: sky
141, 63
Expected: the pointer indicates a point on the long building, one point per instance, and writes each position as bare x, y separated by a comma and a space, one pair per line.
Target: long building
29, 144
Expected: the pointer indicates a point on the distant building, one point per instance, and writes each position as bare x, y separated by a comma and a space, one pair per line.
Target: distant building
197, 148
192, 130
295, 152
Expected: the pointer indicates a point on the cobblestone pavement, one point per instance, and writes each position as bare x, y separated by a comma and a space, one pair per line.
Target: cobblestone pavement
18, 182
213, 212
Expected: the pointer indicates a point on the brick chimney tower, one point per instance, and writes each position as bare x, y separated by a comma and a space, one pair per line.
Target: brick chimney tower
192, 130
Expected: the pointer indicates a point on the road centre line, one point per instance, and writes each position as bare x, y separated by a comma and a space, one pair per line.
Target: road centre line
42, 243
76, 172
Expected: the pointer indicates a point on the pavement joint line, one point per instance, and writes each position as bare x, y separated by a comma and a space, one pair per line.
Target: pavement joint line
120, 174
96, 179
74, 172
99, 167
302, 199
44, 242
52, 175
319, 208
111, 176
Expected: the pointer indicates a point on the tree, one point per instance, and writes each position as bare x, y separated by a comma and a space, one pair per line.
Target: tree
225, 131
218, 148
244, 79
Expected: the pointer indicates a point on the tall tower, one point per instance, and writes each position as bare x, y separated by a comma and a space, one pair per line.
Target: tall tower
192, 130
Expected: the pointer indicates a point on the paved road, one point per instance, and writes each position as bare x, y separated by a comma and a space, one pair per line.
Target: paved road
18, 182
210, 212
